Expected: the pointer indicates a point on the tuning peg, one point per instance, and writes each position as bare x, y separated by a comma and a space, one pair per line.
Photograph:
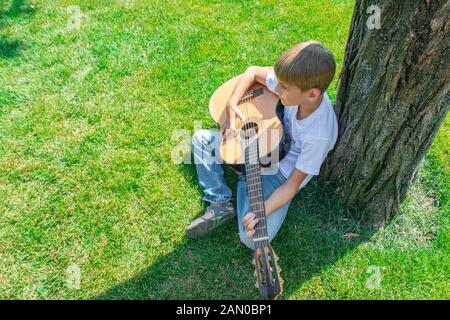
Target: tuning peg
279, 269
282, 283
256, 285
254, 273
271, 269
253, 262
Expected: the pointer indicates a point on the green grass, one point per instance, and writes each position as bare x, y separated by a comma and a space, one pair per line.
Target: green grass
86, 177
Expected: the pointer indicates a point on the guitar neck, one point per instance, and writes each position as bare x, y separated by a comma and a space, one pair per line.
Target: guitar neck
254, 188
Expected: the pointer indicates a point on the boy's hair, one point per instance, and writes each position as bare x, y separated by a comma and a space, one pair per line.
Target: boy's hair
307, 65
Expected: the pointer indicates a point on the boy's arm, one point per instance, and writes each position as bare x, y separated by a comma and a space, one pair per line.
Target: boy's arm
313, 152
285, 192
277, 199
252, 74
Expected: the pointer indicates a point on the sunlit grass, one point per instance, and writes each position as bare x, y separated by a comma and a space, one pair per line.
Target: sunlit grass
86, 177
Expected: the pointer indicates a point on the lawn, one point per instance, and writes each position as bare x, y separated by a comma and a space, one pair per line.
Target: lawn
91, 203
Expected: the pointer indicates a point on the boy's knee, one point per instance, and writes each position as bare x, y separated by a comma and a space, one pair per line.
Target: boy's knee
249, 243
205, 137
199, 136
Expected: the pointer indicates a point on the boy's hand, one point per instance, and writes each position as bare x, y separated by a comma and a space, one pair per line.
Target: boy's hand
229, 128
249, 222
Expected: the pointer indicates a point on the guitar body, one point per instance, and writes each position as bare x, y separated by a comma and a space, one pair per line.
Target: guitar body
258, 107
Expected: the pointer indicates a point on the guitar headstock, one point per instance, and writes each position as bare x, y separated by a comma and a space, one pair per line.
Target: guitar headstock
268, 279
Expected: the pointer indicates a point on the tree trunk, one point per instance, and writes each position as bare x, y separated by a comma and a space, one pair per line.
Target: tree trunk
393, 97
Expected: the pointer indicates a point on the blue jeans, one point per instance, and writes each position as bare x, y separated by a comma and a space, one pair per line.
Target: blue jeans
211, 178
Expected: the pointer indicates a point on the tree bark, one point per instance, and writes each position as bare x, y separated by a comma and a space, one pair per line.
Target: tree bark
393, 97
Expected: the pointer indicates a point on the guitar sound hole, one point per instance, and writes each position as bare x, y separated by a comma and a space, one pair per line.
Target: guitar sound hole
248, 130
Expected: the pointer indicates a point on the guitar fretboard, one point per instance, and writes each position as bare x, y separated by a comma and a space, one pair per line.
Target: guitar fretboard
254, 186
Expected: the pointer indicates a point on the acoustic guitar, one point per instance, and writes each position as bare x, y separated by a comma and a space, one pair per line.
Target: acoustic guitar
256, 145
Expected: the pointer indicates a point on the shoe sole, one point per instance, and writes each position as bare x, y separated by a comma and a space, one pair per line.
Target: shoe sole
204, 227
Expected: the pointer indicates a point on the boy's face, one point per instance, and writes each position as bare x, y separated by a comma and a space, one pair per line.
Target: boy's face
291, 95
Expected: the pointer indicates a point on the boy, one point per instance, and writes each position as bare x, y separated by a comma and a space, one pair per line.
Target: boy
300, 77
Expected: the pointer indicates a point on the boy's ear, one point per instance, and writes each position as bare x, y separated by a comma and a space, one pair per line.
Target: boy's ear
314, 93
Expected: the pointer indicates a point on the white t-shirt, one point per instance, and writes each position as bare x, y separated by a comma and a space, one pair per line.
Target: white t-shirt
312, 137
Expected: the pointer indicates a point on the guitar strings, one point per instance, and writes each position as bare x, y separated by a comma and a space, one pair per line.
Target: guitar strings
254, 152
260, 203
247, 148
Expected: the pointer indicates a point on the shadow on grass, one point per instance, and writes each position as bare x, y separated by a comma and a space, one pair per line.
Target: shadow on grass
9, 48
9, 10
219, 266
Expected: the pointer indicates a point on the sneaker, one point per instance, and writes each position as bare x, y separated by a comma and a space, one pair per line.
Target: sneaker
215, 215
